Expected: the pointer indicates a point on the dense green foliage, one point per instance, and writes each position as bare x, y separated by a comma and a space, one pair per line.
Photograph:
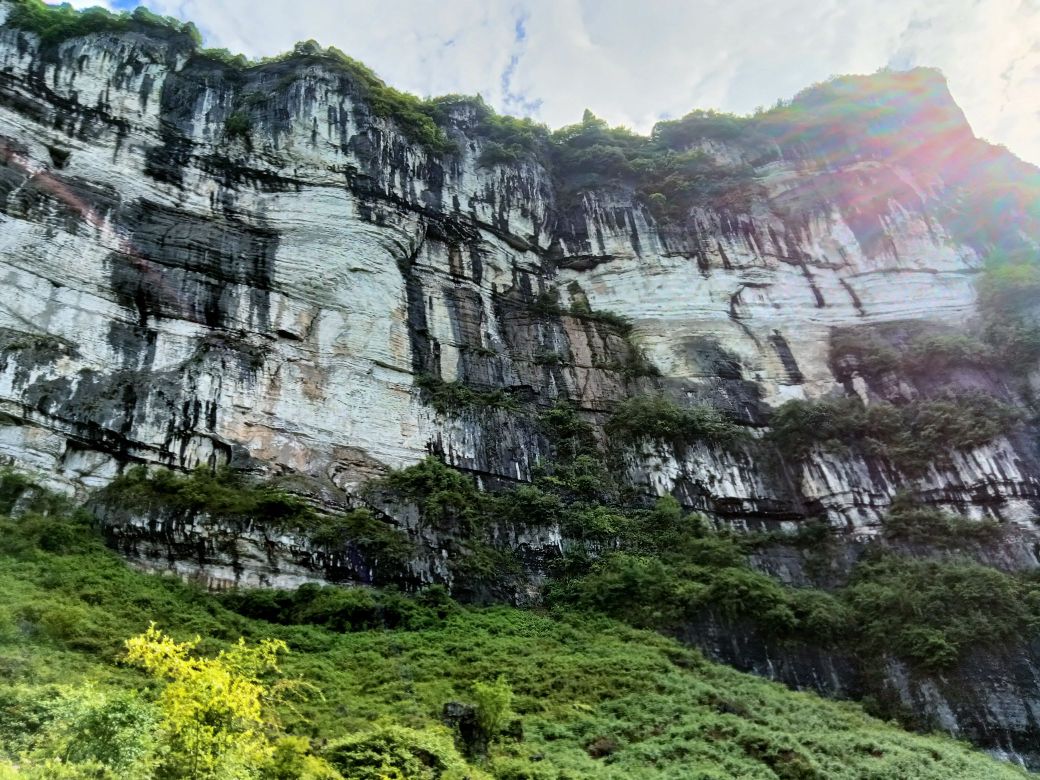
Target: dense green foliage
659, 417
660, 568
344, 609
920, 351
229, 495
239, 126
222, 493
56, 23
911, 436
594, 699
507, 139
933, 612
1007, 339
910, 521
673, 573
672, 179
1008, 290
452, 398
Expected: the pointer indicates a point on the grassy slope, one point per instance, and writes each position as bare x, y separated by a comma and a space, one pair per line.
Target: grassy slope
64, 613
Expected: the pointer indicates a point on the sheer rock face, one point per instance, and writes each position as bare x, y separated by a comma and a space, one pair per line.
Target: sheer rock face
206, 266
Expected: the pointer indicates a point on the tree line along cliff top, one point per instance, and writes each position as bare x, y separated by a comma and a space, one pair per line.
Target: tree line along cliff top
861, 113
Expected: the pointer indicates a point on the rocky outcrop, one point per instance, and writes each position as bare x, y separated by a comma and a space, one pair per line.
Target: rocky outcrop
210, 264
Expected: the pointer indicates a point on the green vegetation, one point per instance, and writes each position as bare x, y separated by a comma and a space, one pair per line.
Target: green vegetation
933, 612
1008, 289
912, 436
547, 304
344, 609
214, 713
659, 568
659, 417
581, 310
390, 750
912, 522
633, 362
228, 495
507, 139
413, 115
222, 494
1007, 339
593, 698
672, 573
655, 568
238, 126
57, 23
453, 398
917, 351
671, 179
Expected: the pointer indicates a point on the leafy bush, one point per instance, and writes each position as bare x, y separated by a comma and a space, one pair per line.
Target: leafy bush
671, 181
660, 418
392, 751
1008, 289
912, 522
672, 591
445, 496
912, 436
495, 153
493, 703
507, 138
379, 542
699, 125
231, 495
921, 352
220, 493
344, 609
453, 398
932, 612
238, 126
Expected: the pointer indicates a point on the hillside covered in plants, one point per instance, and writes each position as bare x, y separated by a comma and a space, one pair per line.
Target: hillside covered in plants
360, 683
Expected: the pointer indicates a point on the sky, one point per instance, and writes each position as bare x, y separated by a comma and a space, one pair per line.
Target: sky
634, 62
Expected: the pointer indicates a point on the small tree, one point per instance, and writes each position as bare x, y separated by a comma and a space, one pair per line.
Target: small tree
215, 712
493, 706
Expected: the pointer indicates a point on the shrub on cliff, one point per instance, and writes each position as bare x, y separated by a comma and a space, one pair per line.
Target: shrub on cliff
660, 418
670, 180
912, 436
1008, 291
455, 398
910, 521
921, 352
230, 495
220, 493
389, 750
933, 612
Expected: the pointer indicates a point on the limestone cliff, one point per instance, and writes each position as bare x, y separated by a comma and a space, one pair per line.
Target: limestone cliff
260, 266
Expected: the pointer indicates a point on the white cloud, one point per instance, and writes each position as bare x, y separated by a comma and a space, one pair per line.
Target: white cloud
633, 62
